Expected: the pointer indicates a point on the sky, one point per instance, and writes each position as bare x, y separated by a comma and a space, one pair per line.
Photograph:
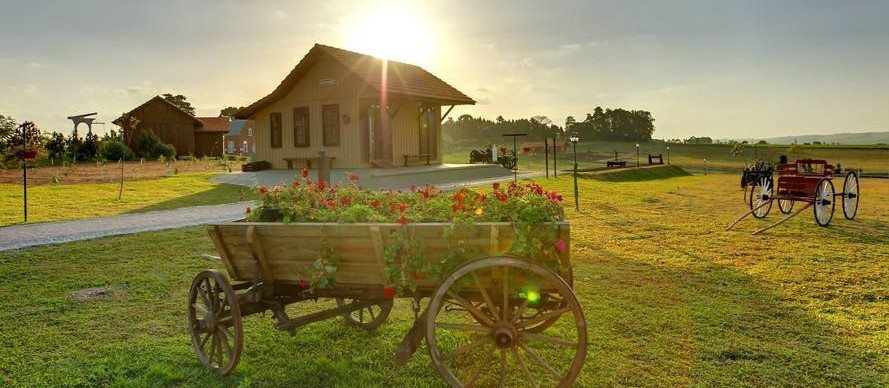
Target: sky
718, 68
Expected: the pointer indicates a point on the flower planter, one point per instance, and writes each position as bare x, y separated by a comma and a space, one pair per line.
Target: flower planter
29, 154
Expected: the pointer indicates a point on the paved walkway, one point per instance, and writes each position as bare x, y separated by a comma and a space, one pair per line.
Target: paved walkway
29, 235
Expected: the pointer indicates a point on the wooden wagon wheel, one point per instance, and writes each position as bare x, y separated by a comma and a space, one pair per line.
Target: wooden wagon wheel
502, 349
475, 156
508, 160
759, 195
367, 318
850, 195
824, 202
214, 316
785, 205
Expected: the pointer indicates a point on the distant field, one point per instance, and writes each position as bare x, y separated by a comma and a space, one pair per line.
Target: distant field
872, 159
670, 300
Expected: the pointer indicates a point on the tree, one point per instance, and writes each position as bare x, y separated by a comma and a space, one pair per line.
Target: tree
56, 145
229, 112
7, 127
180, 101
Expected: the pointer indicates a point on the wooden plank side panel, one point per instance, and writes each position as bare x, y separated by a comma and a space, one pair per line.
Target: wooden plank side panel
291, 249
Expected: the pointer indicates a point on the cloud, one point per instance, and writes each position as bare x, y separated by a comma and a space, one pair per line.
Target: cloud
483, 100
571, 47
36, 65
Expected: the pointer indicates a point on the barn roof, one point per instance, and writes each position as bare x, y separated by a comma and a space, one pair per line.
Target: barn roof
213, 124
197, 122
402, 79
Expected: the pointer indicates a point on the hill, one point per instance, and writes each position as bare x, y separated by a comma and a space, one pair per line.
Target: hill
842, 138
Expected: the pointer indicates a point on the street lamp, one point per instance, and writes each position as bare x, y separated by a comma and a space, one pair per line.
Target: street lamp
668, 155
637, 155
574, 139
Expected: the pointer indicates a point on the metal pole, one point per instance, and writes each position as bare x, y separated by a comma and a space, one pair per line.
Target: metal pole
576, 198
25, 185
515, 151
668, 155
555, 169
637, 155
546, 154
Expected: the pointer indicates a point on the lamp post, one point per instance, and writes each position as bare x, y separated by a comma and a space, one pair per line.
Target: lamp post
574, 139
668, 155
637, 155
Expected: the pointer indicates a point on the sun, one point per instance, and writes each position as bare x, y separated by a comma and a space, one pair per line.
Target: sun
393, 33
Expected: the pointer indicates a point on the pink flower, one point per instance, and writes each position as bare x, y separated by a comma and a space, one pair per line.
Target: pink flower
302, 284
561, 245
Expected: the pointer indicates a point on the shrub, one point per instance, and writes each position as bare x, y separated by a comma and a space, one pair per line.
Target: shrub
163, 149
147, 141
115, 150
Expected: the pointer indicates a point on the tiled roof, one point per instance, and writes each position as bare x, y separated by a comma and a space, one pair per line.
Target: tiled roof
213, 124
402, 79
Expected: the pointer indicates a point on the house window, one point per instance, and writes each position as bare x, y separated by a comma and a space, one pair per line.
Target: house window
276, 129
330, 118
301, 126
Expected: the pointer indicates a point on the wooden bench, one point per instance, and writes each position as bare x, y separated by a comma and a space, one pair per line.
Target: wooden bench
617, 163
295, 162
418, 157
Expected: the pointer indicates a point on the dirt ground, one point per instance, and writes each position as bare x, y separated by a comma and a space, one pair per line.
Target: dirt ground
110, 172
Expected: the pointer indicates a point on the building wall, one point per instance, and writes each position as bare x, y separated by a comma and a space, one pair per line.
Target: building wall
238, 141
208, 143
406, 133
169, 125
311, 92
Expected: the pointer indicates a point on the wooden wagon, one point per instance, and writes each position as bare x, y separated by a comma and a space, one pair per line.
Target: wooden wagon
495, 319
808, 181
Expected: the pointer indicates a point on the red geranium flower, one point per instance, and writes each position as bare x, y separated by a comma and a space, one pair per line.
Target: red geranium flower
248, 210
331, 204
375, 203
389, 292
302, 284
263, 189
305, 173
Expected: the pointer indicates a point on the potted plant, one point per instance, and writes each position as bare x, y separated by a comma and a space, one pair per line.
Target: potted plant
26, 140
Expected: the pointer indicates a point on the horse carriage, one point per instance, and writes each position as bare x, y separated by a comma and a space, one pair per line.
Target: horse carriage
505, 157
495, 320
809, 181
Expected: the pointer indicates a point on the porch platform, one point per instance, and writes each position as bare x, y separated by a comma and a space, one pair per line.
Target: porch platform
442, 175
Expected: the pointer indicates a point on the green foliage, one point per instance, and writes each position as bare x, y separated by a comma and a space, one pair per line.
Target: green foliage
115, 150
229, 112
163, 150
89, 148
179, 101
7, 129
56, 145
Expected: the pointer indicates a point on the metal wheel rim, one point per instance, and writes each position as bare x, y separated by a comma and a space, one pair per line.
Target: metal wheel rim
850, 195
367, 318
488, 335
217, 332
824, 202
759, 195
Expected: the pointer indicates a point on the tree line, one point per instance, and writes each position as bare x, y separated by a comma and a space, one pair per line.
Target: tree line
601, 125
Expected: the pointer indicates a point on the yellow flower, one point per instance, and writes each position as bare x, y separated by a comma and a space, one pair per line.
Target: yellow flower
479, 211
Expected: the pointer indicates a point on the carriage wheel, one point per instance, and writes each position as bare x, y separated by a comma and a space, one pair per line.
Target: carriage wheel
479, 333
508, 160
850, 195
824, 202
367, 318
475, 156
785, 205
214, 315
761, 193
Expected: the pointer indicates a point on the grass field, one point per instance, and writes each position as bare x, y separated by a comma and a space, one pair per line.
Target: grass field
670, 300
66, 202
871, 159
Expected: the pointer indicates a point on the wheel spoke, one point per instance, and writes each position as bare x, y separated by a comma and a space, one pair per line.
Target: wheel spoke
548, 339
505, 312
465, 304
545, 317
218, 349
204, 340
485, 295
461, 327
203, 309
224, 338
555, 374
370, 310
502, 368
523, 366
212, 354
468, 347
520, 311
481, 367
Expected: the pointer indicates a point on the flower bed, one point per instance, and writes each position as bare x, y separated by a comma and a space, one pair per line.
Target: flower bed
531, 210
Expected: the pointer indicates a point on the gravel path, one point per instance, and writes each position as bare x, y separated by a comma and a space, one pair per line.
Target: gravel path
29, 235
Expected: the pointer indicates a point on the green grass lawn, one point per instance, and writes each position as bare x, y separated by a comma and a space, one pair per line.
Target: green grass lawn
873, 159
66, 202
670, 300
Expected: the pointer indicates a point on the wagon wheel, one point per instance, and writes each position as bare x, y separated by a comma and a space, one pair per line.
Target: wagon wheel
217, 332
824, 202
502, 349
508, 160
785, 205
475, 156
760, 194
850, 195
367, 318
